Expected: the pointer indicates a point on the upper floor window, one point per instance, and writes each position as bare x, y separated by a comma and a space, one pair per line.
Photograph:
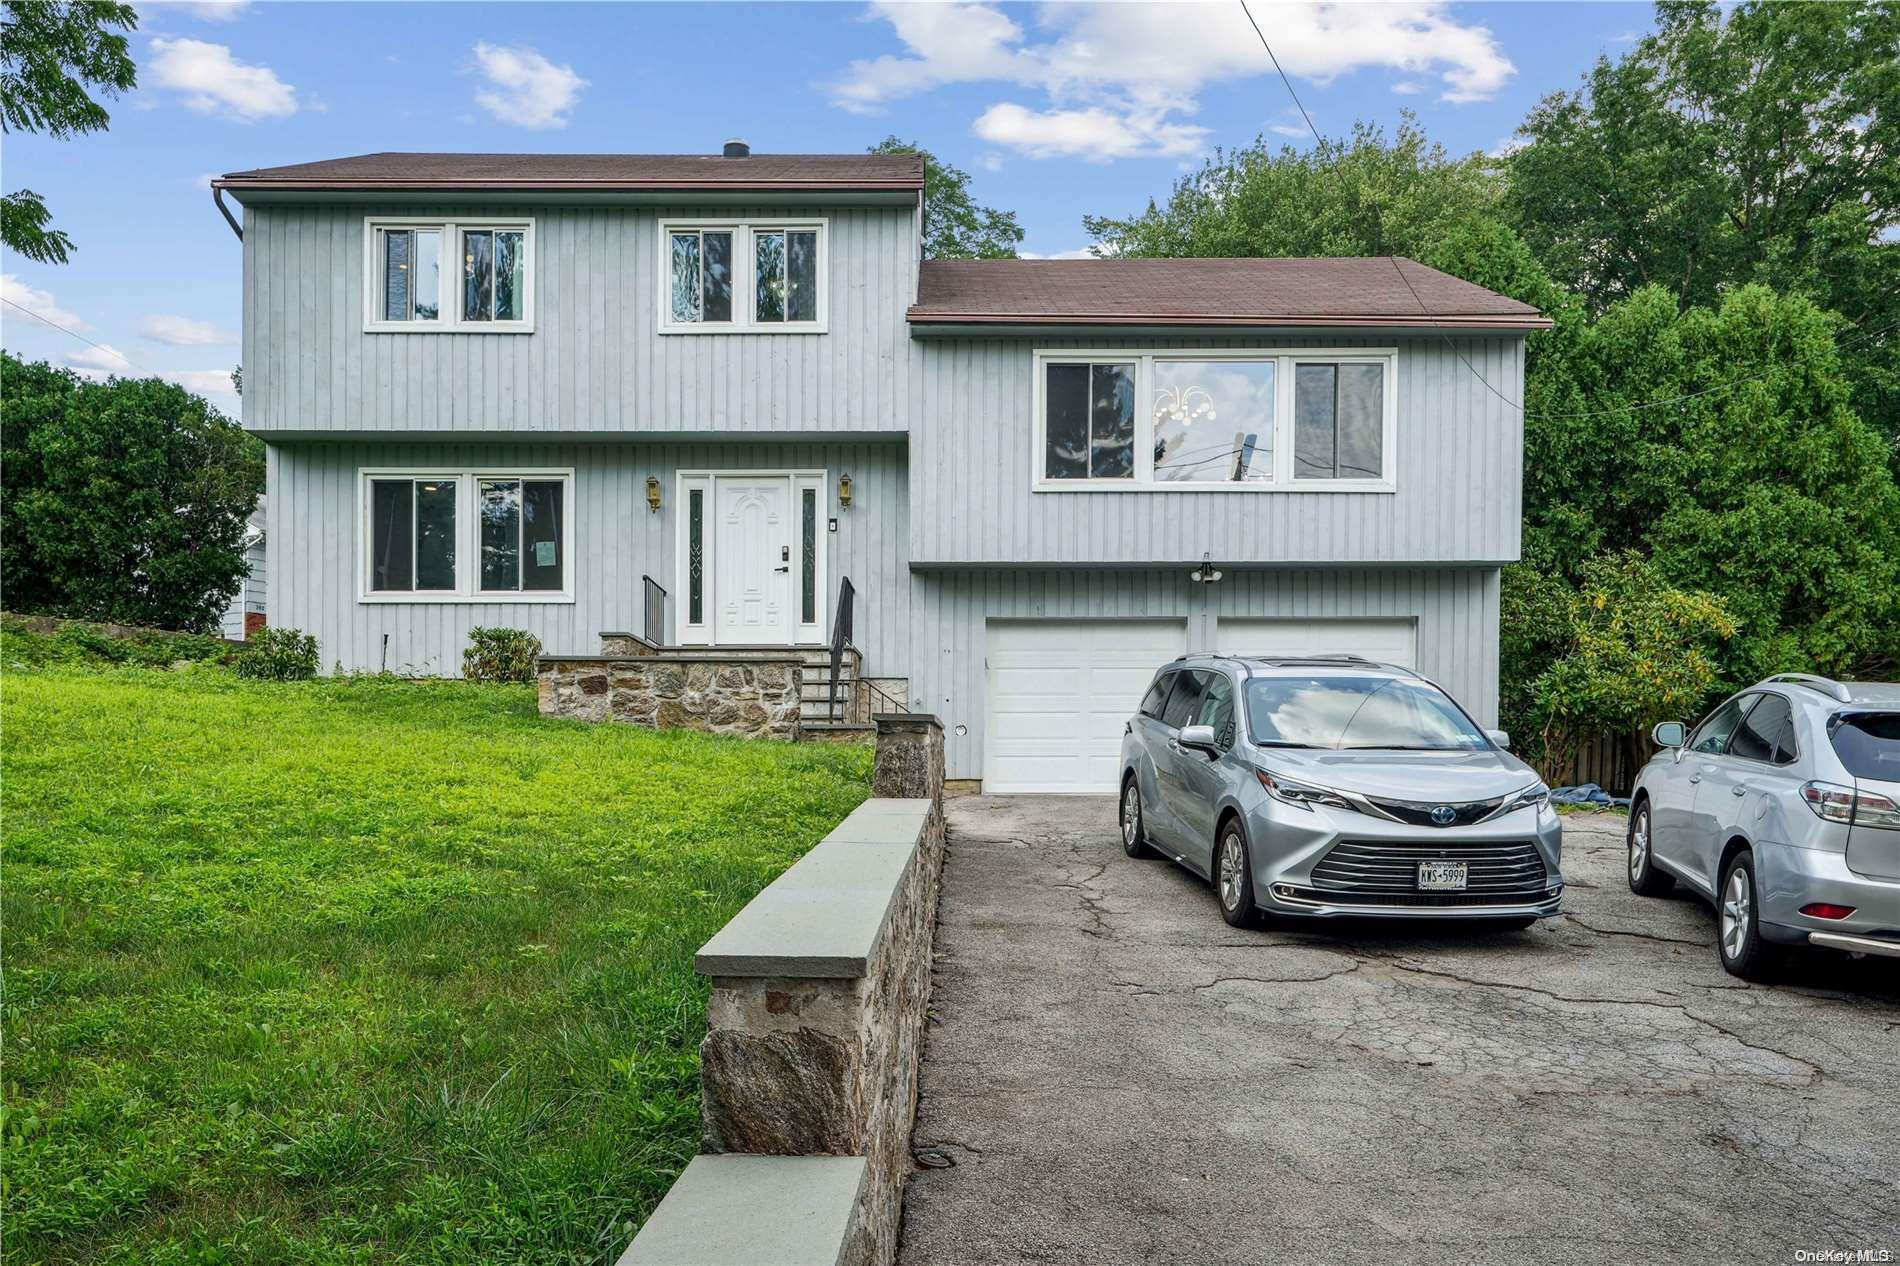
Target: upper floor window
1215, 420
470, 275
448, 535
764, 276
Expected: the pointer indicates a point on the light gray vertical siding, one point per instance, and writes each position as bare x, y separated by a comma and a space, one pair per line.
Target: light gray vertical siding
1458, 467
595, 361
314, 541
1456, 610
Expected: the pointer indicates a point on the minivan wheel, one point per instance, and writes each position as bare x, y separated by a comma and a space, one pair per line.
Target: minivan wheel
1738, 923
1646, 880
1134, 838
1233, 877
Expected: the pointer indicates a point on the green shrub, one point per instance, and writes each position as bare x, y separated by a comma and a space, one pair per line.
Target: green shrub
500, 655
35, 640
279, 655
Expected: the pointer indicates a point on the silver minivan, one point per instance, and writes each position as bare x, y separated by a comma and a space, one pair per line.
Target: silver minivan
1326, 786
1783, 809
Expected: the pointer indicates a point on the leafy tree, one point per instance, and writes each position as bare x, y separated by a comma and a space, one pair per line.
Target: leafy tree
50, 55
955, 227
124, 500
1365, 196
1623, 651
1753, 147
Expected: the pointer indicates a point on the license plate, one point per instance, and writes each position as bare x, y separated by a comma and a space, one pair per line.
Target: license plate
1441, 876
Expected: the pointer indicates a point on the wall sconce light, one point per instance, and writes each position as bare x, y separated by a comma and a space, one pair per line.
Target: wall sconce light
1206, 573
653, 493
844, 492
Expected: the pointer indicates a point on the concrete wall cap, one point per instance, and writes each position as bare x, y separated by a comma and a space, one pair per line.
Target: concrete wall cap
736, 1210
825, 916
906, 721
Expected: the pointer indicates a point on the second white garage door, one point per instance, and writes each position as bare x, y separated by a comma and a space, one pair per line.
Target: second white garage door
1060, 692
1388, 641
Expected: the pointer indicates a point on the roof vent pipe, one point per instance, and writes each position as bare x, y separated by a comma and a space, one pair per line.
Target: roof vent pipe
736, 148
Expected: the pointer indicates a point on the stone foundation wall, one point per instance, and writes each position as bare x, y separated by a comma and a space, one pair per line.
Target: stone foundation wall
669, 690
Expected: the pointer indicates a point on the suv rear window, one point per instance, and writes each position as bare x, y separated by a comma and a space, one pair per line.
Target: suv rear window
1157, 697
1868, 743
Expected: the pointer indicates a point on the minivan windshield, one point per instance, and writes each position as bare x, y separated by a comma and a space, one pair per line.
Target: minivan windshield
1868, 743
1352, 712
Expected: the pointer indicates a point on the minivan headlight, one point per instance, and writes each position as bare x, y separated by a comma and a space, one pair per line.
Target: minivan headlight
1300, 794
1535, 796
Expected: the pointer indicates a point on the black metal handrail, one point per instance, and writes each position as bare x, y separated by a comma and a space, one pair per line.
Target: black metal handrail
654, 601
840, 637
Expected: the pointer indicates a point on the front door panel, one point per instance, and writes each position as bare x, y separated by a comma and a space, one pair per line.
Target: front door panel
752, 572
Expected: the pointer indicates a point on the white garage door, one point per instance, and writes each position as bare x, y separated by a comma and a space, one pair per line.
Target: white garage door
1388, 641
1060, 692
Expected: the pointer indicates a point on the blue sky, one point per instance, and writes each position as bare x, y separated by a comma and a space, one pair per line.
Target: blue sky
1057, 110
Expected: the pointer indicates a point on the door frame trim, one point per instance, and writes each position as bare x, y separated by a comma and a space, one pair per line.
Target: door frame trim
798, 480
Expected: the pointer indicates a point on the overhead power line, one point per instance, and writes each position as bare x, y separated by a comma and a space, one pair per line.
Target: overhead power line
110, 351
1426, 311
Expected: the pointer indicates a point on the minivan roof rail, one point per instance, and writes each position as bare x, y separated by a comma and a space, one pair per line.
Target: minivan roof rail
1826, 685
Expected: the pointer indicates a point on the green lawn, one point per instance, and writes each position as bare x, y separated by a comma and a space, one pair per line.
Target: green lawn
361, 970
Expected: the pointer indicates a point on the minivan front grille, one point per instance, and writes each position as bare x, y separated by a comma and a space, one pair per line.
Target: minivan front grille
1416, 813
1495, 870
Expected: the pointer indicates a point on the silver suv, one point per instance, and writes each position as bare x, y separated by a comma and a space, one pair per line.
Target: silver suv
1783, 808
1334, 786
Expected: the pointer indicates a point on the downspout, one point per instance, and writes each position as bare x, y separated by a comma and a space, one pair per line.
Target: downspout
217, 196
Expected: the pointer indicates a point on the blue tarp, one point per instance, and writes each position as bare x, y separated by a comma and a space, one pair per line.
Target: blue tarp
1589, 793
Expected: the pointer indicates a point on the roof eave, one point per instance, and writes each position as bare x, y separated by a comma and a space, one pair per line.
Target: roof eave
1016, 320
238, 185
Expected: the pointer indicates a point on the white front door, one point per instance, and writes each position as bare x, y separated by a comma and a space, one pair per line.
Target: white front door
752, 561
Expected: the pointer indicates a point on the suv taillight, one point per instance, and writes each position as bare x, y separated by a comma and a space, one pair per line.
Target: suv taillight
1843, 804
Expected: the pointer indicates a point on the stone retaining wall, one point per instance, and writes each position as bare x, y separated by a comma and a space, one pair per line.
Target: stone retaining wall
669, 690
820, 988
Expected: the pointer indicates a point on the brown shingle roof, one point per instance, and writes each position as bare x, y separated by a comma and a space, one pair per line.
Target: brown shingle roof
1208, 292
589, 172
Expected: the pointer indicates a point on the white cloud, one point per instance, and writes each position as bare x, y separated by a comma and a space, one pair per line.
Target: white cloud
1080, 252
214, 82
102, 359
1289, 130
204, 178
211, 10
39, 302
1408, 87
178, 331
525, 88
1095, 133
213, 384
1131, 73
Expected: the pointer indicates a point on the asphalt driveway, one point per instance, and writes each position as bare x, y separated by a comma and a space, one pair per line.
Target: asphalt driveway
1114, 1075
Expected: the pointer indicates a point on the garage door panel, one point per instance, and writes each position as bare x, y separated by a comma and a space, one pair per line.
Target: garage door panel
1389, 640
1060, 692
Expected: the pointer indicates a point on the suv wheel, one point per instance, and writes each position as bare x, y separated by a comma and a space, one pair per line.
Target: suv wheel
1233, 877
1134, 838
1646, 880
1738, 923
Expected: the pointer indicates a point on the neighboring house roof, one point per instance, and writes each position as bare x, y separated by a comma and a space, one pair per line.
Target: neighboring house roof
593, 173
1209, 292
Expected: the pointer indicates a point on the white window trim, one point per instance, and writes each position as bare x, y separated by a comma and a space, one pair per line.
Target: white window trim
467, 535
744, 265
702, 634
449, 282
1143, 361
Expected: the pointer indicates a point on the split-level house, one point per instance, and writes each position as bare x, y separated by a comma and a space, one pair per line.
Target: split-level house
690, 396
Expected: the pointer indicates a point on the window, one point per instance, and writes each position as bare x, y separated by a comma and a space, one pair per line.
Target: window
486, 288
730, 275
1766, 733
1215, 420
1714, 733
1217, 710
1181, 700
466, 535
808, 566
1157, 696
696, 556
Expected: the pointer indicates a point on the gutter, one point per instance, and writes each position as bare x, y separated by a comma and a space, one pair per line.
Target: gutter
217, 196
240, 185
918, 317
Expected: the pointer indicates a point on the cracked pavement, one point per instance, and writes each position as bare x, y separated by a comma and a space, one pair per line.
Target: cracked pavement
1118, 1076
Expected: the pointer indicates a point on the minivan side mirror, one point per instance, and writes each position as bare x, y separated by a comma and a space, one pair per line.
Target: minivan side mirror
1501, 737
1199, 738
1668, 734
